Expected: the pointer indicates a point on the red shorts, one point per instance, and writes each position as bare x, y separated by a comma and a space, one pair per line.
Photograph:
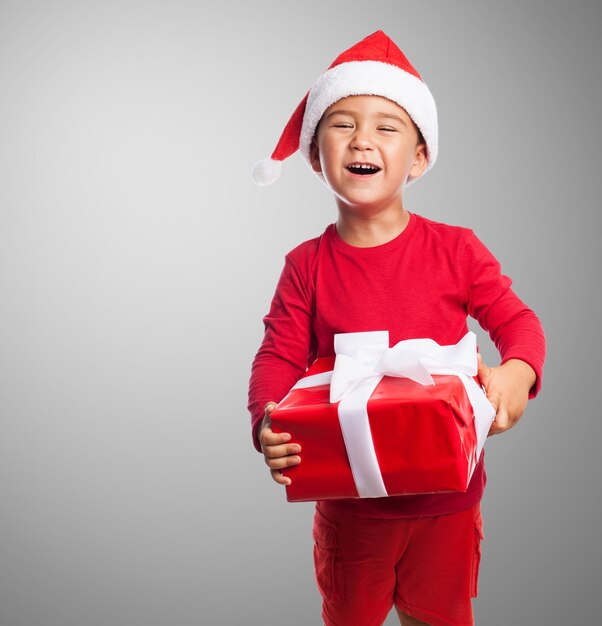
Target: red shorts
427, 566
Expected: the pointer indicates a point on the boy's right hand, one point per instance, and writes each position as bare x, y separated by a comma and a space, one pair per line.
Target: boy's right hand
278, 453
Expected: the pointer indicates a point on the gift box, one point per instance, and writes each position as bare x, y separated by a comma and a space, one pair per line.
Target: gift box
376, 421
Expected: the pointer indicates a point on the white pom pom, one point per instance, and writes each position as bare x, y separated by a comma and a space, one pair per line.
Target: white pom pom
266, 171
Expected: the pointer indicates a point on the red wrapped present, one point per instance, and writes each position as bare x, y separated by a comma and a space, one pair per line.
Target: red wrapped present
378, 421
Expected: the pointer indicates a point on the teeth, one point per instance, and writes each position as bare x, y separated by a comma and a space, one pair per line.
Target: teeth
364, 166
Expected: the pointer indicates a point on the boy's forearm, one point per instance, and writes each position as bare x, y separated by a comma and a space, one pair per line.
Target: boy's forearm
270, 381
522, 339
523, 369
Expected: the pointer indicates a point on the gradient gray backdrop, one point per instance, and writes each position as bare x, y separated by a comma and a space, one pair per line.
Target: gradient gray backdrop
137, 259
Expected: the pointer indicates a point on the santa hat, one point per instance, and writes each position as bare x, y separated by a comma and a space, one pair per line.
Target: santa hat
373, 66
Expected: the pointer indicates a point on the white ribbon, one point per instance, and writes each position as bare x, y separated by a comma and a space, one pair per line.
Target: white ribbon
363, 360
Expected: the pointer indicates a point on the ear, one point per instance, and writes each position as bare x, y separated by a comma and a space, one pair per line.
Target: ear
314, 156
420, 161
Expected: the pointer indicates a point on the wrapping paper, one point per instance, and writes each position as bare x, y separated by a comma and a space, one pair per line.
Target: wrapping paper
400, 436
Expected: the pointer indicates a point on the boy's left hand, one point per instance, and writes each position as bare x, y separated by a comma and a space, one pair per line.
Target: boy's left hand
507, 388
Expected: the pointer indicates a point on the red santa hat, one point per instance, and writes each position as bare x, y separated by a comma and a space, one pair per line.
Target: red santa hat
373, 66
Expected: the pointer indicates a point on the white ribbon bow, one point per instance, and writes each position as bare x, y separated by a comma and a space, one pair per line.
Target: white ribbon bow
362, 360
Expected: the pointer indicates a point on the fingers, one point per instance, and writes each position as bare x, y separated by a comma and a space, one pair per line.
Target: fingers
280, 457
279, 461
277, 451
280, 478
283, 455
501, 423
268, 437
494, 428
483, 371
269, 407
501, 419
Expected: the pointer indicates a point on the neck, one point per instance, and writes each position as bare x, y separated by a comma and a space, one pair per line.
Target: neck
366, 231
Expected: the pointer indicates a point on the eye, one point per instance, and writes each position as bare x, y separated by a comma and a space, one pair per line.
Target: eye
342, 125
390, 130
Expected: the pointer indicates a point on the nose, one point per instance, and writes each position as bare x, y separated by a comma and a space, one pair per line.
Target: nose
361, 139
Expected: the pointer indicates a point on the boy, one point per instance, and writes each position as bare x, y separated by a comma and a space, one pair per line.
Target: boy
368, 129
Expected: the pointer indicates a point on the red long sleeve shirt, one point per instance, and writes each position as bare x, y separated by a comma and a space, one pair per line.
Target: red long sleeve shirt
423, 283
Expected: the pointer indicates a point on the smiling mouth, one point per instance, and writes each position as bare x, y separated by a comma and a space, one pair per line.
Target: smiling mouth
362, 170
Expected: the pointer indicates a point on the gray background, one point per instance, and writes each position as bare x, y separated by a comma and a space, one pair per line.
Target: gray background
137, 259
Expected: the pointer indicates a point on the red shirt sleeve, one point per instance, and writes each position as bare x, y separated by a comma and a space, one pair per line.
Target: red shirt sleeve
288, 343
513, 327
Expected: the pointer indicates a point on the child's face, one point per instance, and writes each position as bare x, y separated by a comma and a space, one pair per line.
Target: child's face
367, 129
